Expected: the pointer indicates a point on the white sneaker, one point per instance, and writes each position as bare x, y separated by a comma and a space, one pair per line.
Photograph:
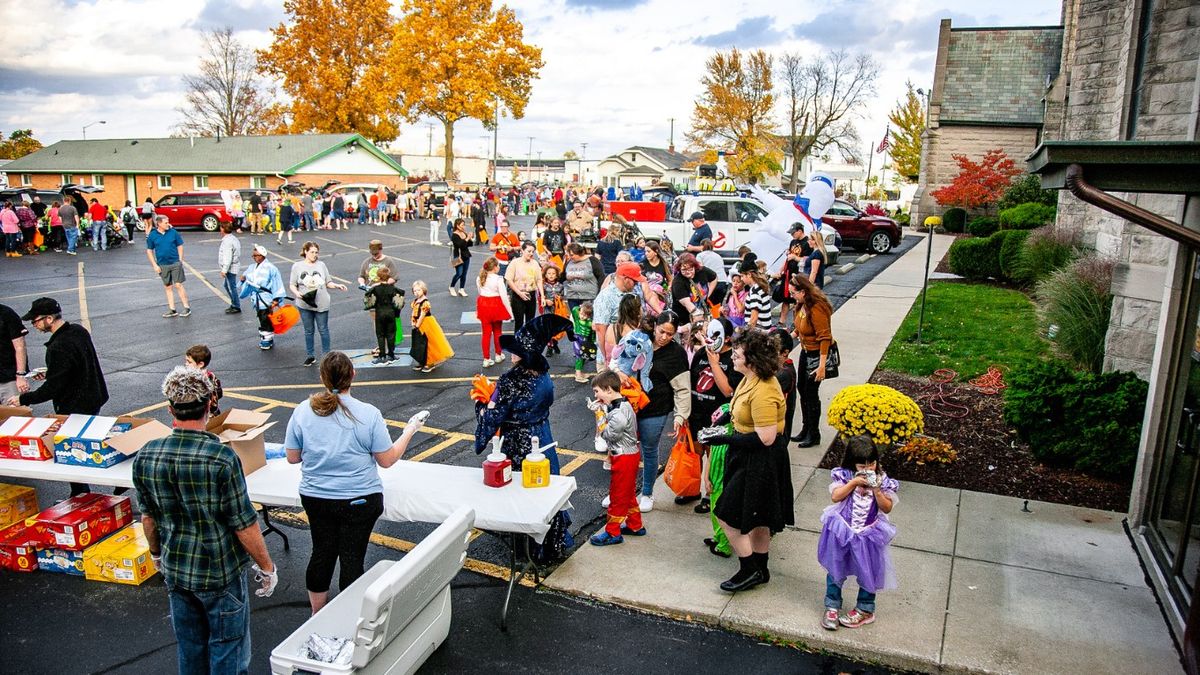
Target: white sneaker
645, 503
500, 357
488, 363
606, 501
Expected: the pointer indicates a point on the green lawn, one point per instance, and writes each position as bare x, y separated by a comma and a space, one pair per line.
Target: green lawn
968, 327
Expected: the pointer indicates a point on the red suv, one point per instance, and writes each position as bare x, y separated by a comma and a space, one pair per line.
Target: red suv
876, 234
188, 209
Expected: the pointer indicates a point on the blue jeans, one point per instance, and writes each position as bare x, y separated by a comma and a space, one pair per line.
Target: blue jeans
649, 433
231, 287
99, 236
460, 274
362, 215
307, 316
72, 237
833, 597
307, 219
213, 628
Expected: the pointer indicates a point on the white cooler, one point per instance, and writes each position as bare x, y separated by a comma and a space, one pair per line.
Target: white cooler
398, 613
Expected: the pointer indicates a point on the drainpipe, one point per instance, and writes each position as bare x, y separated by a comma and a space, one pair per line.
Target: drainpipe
1151, 221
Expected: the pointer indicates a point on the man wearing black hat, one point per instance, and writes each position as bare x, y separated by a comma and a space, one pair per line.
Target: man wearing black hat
700, 232
74, 382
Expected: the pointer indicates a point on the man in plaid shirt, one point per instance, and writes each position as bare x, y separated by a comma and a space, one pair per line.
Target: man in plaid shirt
202, 531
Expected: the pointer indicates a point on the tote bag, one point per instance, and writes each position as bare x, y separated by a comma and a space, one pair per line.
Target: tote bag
682, 473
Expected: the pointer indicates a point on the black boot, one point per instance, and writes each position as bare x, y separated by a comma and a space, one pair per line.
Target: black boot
760, 560
747, 577
813, 439
802, 436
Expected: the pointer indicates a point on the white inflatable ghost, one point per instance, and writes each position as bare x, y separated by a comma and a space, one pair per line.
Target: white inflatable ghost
771, 234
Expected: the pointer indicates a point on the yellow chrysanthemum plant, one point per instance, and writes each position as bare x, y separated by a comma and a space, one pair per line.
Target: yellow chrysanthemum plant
886, 415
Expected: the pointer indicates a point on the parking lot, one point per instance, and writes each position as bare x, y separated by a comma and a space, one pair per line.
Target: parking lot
119, 298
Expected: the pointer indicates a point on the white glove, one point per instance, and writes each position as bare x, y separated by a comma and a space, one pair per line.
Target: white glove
269, 580
595, 405
157, 560
418, 420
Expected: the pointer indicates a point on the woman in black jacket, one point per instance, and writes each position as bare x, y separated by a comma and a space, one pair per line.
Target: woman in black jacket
461, 241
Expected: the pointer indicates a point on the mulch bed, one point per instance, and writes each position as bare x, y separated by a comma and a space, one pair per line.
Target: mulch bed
991, 458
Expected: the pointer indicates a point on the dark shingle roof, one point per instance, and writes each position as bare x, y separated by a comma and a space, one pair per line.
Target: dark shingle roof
639, 170
665, 157
230, 155
999, 75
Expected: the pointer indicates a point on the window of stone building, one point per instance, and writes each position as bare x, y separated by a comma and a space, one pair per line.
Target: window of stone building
164, 182
1142, 48
200, 182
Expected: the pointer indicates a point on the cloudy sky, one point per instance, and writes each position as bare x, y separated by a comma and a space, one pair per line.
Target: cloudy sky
616, 70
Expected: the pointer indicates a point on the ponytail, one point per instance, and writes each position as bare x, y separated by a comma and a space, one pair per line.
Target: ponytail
337, 373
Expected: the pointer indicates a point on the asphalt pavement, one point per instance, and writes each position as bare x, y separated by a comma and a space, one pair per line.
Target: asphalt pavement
67, 623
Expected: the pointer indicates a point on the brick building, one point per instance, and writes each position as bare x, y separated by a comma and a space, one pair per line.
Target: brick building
1130, 79
988, 85
137, 168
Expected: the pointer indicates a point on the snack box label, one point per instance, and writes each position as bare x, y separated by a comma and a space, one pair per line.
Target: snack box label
123, 558
60, 561
17, 502
18, 552
81, 521
28, 437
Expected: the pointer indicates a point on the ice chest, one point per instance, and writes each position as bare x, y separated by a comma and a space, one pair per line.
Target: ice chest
397, 613
17, 502
243, 431
100, 442
81, 521
18, 551
123, 558
28, 437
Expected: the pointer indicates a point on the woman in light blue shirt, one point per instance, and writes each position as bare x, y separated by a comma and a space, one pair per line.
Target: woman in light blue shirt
340, 442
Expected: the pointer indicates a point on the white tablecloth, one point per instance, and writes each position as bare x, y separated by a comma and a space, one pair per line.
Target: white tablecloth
412, 491
429, 493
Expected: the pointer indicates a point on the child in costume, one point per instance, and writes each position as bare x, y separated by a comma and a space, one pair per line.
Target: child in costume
718, 544
735, 302
199, 357
856, 532
553, 301
616, 433
386, 300
585, 339
430, 348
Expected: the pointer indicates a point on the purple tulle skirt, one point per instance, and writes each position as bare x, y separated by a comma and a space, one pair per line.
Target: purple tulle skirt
863, 555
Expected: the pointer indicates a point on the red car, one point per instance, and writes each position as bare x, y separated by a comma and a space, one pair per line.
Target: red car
876, 234
202, 208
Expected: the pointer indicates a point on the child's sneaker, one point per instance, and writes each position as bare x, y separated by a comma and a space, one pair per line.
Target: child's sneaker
488, 363
829, 620
856, 619
604, 503
581, 378
645, 503
603, 538
703, 506
379, 360
633, 533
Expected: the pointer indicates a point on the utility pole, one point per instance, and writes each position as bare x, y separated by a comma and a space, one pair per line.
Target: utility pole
540, 166
671, 138
584, 152
429, 126
529, 160
495, 143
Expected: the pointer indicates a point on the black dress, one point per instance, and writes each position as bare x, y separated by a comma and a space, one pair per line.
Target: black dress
758, 478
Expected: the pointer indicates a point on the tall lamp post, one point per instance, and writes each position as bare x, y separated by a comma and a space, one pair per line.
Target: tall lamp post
529, 161
85, 127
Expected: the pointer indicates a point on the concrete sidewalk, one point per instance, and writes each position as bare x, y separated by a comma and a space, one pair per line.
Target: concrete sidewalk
985, 585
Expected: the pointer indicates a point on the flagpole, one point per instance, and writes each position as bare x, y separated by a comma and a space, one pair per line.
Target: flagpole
867, 183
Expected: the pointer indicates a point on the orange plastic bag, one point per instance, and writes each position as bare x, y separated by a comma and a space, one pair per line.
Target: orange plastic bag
560, 308
631, 389
283, 318
682, 473
482, 389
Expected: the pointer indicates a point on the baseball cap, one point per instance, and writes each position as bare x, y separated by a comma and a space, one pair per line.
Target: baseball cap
631, 270
42, 307
697, 216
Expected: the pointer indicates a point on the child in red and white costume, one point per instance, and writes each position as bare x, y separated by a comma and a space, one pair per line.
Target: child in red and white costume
616, 435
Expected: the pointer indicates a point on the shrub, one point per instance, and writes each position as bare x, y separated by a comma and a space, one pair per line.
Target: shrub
1010, 252
1074, 305
1079, 420
975, 257
1027, 216
1046, 250
884, 414
1027, 188
983, 226
954, 219
874, 210
903, 219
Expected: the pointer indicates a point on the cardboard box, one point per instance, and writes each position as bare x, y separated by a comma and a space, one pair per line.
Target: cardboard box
28, 437
243, 431
18, 551
96, 441
60, 561
123, 558
80, 521
17, 502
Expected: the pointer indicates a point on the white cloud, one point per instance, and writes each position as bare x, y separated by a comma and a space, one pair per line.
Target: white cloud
615, 73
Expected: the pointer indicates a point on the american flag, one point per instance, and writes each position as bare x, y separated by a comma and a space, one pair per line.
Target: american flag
885, 143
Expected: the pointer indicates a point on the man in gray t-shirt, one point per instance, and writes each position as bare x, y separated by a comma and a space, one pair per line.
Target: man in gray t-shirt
306, 212
70, 225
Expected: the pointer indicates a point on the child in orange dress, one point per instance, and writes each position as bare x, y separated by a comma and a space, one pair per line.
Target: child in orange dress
430, 348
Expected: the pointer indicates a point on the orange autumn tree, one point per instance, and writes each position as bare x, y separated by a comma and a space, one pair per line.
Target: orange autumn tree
453, 59
978, 184
735, 111
331, 57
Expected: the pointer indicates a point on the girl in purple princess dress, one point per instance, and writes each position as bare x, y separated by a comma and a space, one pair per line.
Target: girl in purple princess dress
855, 533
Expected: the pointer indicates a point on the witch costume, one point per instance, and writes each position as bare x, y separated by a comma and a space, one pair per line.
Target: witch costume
855, 536
520, 410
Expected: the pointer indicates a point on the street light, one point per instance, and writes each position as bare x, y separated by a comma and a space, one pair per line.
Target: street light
85, 127
529, 160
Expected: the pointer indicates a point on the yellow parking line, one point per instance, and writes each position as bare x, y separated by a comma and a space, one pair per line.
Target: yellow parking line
264, 408
373, 383
196, 273
434, 450
142, 411
574, 464
84, 319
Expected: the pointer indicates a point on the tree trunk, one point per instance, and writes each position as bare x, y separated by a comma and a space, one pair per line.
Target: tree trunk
795, 164
448, 170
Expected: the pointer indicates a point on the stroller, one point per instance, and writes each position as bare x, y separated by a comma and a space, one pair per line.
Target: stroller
114, 234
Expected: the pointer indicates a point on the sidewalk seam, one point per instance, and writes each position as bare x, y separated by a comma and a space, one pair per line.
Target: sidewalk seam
941, 662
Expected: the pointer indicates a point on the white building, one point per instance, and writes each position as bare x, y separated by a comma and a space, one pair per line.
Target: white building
644, 166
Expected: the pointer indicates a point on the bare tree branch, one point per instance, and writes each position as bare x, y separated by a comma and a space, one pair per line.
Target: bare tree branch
226, 96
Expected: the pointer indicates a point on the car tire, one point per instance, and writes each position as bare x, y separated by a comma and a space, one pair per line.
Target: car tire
880, 242
210, 223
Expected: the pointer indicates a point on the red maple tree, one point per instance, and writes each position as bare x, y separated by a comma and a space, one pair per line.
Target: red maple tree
978, 184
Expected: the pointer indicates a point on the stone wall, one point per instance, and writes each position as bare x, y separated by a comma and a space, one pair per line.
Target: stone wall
940, 144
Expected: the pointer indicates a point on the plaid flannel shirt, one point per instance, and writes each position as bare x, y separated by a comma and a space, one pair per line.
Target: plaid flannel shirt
193, 487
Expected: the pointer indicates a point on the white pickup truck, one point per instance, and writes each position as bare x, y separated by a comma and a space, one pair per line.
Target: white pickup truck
732, 218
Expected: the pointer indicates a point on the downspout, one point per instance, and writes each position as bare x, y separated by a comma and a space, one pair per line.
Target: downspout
1151, 221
